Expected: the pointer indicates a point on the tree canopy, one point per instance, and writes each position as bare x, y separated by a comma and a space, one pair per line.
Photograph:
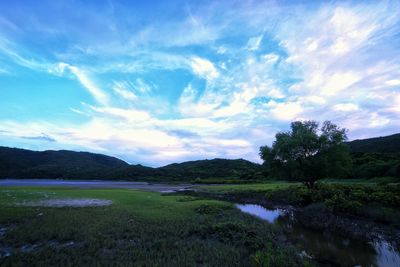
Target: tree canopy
308, 152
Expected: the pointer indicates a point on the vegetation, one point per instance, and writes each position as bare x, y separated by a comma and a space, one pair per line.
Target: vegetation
20, 163
200, 171
374, 157
138, 229
387, 144
308, 153
372, 199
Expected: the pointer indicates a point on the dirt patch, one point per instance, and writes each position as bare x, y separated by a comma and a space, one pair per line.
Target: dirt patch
73, 202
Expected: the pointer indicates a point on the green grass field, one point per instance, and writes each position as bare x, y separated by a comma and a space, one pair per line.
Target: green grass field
257, 187
138, 229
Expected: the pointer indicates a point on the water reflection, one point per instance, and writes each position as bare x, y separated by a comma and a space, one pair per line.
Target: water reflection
328, 248
261, 212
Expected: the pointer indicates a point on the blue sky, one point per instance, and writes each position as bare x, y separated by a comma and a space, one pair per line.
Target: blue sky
169, 81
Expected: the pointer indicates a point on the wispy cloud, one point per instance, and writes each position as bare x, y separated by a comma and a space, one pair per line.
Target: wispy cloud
86, 82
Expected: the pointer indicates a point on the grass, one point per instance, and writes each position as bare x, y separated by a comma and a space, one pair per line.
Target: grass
139, 229
375, 199
258, 187
370, 181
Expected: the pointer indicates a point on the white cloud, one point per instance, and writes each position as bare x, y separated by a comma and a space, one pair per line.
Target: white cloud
131, 115
204, 68
338, 82
271, 58
254, 43
377, 120
122, 88
86, 82
347, 107
393, 82
286, 111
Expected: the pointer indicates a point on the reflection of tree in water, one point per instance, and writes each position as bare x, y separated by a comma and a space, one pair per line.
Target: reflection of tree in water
327, 247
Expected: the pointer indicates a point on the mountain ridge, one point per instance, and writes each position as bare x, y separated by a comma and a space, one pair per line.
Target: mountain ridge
66, 164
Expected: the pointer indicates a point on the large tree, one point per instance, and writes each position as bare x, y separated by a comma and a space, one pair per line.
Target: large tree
308, 152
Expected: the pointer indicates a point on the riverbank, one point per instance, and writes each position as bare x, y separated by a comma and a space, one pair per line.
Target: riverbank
363, 213
322, 205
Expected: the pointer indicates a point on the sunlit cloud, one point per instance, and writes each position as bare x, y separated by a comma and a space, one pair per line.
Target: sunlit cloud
204, 68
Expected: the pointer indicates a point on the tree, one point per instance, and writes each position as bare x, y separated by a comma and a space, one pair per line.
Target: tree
308, 152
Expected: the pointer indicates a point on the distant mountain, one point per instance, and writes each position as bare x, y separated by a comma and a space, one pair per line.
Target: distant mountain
372, 157
212, 170
21, 163
386, 144
238, 168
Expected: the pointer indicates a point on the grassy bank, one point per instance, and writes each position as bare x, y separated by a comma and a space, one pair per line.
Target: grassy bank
138, 229
375, 199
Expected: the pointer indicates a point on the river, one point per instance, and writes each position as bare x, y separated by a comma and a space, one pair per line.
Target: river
325, 246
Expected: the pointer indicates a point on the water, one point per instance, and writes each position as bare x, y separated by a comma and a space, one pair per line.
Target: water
261, 212
325, 246
163, 188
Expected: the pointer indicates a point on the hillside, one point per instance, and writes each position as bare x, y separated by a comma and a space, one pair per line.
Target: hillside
376, 157
21, 163
386, 144
211, 170
372, 157
238, 168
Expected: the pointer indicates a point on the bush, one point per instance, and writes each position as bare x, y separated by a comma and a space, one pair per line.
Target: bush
339, 197
273, 256
209, 209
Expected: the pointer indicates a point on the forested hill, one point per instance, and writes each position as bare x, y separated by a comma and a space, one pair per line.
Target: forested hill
376, 157
21, 163
386, 144
371, 157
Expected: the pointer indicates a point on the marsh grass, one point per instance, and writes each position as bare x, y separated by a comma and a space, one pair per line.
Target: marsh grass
138, 229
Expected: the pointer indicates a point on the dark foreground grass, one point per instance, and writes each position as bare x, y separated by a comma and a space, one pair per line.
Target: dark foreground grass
138, 229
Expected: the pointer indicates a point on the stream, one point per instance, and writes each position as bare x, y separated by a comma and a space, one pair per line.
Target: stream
325, 246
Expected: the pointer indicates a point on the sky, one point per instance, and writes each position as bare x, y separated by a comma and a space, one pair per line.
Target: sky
156, 82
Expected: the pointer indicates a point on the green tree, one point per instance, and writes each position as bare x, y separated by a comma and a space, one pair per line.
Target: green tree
308, 152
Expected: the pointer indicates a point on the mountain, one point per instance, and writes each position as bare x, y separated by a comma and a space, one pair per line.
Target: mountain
372, 157
376, 157
238, 168
386, 144
213, 170
21, 163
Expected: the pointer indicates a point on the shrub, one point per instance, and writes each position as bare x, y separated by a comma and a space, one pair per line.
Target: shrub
208, 209
273, 256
